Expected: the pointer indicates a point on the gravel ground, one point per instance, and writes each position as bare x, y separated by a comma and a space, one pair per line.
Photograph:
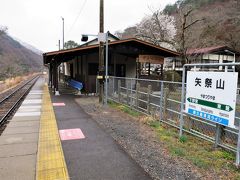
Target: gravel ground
140, 142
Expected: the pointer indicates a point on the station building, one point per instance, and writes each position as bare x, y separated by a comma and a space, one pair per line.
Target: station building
125, 57
214, 54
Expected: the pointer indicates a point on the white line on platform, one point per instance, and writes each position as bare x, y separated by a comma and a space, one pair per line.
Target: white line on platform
35, 93
30, 107
29, 110
22, 114
32, 101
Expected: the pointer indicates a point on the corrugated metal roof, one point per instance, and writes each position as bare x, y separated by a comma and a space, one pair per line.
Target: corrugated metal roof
174, 53
209, 50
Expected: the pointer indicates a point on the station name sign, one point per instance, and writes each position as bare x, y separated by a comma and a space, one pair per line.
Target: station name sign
212, 96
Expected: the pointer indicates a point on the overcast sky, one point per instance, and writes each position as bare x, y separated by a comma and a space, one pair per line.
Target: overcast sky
38, 22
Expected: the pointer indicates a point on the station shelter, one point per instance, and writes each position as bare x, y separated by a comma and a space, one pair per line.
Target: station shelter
125, 57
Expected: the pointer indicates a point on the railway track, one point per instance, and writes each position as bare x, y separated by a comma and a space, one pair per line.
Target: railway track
10, 100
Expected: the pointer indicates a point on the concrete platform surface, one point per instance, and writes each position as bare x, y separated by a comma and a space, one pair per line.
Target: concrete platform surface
18, 167
19, 141
30, 147
20, 138
97, 156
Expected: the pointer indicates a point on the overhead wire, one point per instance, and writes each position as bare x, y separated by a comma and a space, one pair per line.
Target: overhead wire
79, 13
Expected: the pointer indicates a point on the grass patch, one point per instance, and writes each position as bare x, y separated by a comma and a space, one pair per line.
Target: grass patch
224, 155
130, 111
183, 139
113, 104
199, 152
154, 124
200, 162
12, 82
178, 151
124, 108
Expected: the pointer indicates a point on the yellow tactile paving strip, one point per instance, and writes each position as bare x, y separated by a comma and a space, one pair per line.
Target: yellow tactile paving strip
50, 161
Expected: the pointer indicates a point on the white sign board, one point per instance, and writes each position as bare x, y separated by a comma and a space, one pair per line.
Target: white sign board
102, 37
212, 96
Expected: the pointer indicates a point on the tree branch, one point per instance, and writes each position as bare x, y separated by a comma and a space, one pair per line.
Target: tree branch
193, 23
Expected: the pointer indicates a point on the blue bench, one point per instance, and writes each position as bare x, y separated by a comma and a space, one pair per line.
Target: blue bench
75, 84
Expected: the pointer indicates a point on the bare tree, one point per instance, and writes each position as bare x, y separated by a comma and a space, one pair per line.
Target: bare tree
186, 23
229, 34
158, 29
233, 40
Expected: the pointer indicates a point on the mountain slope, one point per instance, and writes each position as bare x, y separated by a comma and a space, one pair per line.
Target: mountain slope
16, 59
221, 24
29, 46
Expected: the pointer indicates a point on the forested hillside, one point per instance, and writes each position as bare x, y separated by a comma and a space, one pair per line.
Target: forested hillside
15, 59
190, 24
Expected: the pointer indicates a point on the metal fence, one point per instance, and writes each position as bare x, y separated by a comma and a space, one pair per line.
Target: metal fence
162, 100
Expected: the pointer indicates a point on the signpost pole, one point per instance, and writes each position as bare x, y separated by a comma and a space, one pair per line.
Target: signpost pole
106, 71
238, 148
182, 102
218, 135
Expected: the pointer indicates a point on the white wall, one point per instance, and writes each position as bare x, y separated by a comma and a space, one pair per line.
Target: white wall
67, 69
218, 57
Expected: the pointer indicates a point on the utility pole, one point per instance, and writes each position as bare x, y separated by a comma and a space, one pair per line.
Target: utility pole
63, 66
63, 32
101, 53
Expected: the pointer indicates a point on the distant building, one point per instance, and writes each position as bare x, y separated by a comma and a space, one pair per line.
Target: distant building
216, 54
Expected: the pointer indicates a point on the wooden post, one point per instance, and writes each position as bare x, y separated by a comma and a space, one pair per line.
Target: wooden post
148, 98
119, 90
137, 69
161, 70
53, 77
137, 94
56, 85
128, 93
166, 93
101, 52
149, 69
50, 76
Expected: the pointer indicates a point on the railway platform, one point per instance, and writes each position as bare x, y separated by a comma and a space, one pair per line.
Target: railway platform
19, 140
51, 137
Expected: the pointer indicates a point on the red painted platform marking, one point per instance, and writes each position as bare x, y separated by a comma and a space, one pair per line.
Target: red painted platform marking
70, 134
58, 104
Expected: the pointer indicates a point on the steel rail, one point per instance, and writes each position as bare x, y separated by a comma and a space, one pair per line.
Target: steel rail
13, 107
12, 93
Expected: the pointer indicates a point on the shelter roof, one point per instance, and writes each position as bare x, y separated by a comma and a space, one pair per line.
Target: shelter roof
131, 47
